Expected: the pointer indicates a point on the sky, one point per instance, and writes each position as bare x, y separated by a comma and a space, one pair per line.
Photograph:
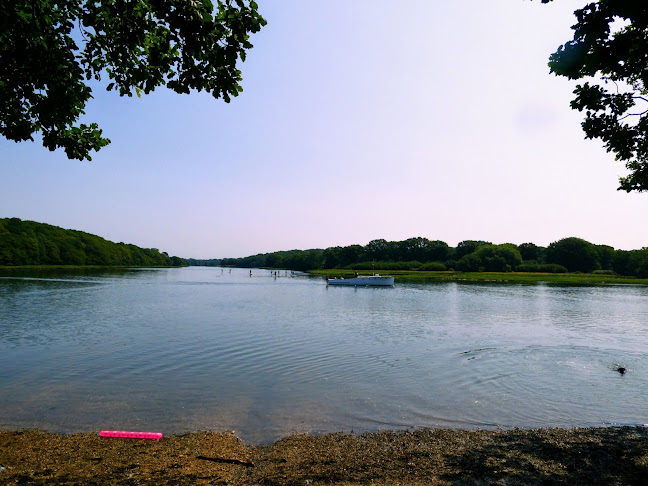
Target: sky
359, 120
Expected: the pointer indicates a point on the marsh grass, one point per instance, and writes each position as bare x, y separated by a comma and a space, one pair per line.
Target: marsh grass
514, 277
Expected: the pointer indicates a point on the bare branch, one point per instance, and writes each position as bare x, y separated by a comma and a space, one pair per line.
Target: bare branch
633, 114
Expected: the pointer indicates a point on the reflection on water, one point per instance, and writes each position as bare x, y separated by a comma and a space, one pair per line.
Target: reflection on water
196, 348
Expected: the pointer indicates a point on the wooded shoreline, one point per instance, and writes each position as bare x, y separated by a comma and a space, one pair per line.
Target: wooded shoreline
28, 243
588, 456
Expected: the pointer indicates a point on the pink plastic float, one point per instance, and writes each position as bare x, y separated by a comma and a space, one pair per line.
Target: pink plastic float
130, 435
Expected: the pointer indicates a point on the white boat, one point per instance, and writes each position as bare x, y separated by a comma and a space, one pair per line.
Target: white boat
373, 280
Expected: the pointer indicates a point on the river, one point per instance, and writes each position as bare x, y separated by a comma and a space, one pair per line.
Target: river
187, 349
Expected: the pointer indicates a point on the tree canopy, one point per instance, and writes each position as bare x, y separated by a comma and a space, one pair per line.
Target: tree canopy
574, 254
565, 255
32, 243
610, 51
50, 50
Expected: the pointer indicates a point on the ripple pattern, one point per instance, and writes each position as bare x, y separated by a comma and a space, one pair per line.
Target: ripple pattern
194, 348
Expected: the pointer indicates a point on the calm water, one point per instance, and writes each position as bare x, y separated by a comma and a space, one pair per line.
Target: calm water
176, 350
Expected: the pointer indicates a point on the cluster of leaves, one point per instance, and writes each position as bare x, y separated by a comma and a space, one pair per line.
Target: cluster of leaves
31, 243
50, 50
568, 254
610, 48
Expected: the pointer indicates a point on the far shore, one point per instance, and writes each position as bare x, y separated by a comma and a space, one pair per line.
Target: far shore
80, 267
419, 276
512, 277
579, 456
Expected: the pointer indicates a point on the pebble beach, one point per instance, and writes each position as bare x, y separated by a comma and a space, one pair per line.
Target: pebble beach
588, 456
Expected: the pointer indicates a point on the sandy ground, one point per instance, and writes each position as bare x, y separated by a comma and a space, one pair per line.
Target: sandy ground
592, 456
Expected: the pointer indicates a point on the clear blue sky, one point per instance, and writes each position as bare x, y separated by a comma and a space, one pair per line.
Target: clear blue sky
359, 120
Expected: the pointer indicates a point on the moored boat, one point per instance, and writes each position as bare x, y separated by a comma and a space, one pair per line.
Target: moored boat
370, 280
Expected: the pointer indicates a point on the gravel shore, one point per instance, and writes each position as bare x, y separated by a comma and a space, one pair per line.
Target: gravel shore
588, 456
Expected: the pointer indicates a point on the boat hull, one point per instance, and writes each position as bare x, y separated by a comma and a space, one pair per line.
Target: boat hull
373, 281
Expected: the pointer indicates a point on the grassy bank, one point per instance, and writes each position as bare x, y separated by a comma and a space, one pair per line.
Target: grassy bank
520, 277
599, 456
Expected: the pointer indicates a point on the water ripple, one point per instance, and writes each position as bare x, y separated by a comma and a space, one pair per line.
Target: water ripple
182, 349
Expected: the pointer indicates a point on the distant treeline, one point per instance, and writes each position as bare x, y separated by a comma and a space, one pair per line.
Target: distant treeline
31, 243
197, 262
565, 255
